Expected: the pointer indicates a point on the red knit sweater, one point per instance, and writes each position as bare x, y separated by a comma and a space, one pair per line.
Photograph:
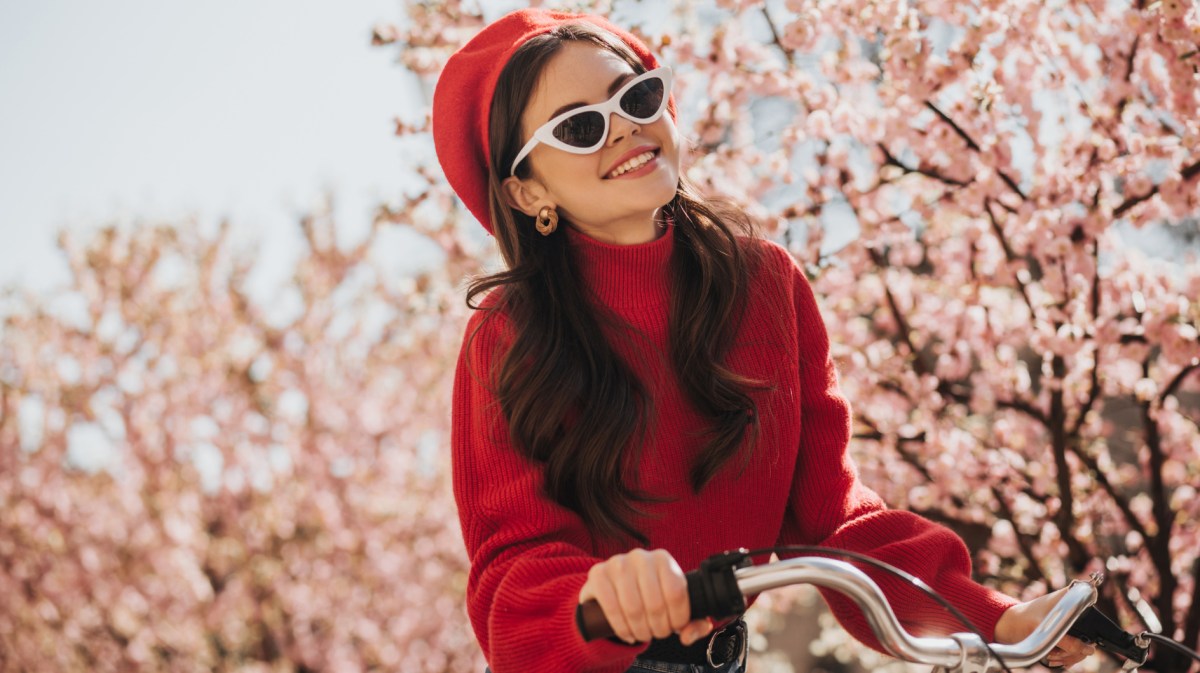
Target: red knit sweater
530, 557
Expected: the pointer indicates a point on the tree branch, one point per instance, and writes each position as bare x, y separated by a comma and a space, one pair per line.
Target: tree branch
1065, 517
1159, 546
1191, 622
1009, 254
1094, 382
1186, 174
891, 160
1121, 502
1025, 408
1012, 184
789, 54
1175, 382
1023, 541
922, 368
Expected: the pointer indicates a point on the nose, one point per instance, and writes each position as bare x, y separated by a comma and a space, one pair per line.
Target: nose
620, 127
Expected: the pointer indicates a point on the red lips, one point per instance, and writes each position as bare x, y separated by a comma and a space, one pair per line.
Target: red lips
629, 155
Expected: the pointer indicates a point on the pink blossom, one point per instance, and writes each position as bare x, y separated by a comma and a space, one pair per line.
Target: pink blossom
987, 288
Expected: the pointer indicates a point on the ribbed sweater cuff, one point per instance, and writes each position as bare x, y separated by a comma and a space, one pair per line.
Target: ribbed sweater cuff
983, 606
601, 655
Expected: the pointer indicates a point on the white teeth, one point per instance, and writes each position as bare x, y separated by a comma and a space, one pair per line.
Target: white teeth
633, 163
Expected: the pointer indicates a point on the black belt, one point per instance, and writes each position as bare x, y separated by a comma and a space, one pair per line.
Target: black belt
720, 648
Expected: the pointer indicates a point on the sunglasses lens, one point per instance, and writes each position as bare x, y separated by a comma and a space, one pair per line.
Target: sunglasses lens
586, 129
582, 130
644, 99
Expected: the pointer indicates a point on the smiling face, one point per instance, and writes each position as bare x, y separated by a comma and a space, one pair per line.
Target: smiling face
614, 193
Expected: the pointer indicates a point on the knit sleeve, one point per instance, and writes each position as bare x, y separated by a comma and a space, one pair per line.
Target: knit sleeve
529, 556
829, 506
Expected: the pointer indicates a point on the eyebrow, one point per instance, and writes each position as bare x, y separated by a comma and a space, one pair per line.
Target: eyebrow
612, 89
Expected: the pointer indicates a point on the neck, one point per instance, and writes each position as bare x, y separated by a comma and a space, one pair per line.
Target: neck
632, 231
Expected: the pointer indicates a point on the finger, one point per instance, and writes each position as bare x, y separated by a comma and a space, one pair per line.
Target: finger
624, 578
599, 588
695, 630
1071, 644
654, 604
1055, 658
675, 593
1074, 658
1072, 648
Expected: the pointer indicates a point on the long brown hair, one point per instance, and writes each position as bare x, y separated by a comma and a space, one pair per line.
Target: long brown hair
571, 403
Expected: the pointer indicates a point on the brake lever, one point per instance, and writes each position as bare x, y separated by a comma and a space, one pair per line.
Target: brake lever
1095, 628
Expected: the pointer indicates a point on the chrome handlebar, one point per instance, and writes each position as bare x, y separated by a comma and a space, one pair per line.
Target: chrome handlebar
964, 652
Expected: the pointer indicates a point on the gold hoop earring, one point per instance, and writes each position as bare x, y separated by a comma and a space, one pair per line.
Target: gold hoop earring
547, 220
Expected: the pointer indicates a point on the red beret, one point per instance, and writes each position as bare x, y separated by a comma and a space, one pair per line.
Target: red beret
462, 98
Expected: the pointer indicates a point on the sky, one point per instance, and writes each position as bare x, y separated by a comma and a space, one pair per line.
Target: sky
139, 111
136, 111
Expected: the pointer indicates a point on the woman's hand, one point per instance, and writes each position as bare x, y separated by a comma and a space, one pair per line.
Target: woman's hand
644, 596
1021, 619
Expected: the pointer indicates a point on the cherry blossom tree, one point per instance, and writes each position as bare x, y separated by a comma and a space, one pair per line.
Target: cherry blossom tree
969, 184
191, 480
194, 480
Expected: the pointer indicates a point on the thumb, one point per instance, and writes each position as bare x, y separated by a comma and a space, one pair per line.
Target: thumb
695, 630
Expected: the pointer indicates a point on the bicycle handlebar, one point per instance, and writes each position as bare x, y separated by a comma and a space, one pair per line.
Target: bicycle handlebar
933, 651
721, 595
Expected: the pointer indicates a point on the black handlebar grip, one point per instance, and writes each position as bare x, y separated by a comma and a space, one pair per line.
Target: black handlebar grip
1096, 628
715, 593
711, 594
591, 622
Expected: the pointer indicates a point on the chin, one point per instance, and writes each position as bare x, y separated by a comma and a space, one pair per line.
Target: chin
668, 192
654, 199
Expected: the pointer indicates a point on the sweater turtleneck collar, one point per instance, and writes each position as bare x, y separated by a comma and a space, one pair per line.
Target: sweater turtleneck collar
625, 275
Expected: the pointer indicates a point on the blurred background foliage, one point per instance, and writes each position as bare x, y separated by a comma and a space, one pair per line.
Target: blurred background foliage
997, 202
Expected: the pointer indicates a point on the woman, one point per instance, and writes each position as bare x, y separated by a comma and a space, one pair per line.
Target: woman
647, 383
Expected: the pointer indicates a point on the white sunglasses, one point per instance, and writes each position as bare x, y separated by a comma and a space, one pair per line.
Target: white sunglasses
583, 130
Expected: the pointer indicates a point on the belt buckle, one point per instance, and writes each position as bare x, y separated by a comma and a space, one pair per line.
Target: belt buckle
739, 630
